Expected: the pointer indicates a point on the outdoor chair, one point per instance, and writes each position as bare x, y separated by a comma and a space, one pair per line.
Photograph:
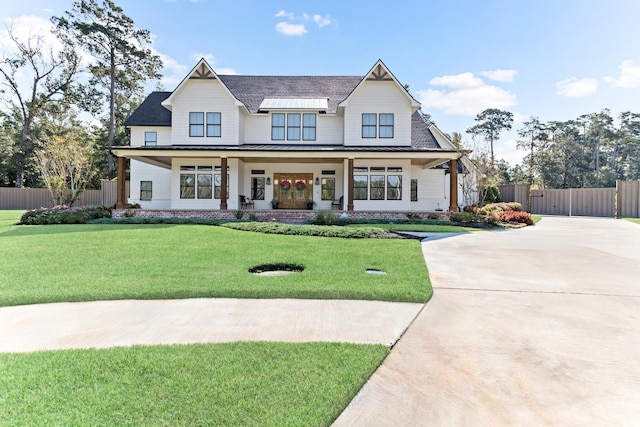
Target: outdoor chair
337, 204
245, 202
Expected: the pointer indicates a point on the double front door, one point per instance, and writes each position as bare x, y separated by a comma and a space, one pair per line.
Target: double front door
293, 190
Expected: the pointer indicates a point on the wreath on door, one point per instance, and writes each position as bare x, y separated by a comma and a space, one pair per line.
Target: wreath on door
300, 185
286, 184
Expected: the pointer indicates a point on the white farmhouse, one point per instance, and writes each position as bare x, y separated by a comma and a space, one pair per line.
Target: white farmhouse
227, 142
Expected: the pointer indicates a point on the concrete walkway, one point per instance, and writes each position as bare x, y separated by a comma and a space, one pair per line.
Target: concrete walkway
530, 327
124, 323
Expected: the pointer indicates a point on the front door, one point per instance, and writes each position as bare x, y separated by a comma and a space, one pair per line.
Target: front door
293, 190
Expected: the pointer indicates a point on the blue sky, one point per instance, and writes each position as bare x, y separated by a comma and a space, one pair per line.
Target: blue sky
553, 59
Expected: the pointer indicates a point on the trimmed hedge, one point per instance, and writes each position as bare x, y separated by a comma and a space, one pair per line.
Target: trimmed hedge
514, 216
306, 230
62, 214
138, 220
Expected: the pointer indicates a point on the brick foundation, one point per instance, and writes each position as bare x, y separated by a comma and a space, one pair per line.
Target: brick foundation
277, 215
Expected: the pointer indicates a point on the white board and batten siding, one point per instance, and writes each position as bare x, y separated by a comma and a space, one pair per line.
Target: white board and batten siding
207, 96
366, 99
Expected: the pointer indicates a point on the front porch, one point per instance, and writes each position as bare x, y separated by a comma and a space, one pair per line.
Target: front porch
276, 215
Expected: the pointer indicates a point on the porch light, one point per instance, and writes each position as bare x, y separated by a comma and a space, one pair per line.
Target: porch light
268, 181
317, 180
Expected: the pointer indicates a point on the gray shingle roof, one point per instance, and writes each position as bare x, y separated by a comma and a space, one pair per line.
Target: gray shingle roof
251, 90
151, 112
291, 147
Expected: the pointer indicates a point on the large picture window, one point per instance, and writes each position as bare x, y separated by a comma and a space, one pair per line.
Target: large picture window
196, 124
377, 187
394, 187
195, 185
214, 125
217, 187
360, 184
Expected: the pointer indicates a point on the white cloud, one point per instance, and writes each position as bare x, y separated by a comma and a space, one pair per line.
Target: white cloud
25, 27
464, 80
576, 88
286, 14
629, 76
468, 97
322, 21
518, 117
289, 29
505, 76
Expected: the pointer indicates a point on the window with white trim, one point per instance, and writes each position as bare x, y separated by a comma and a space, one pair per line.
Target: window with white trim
150, 139
380, 184
197, 184
146, 190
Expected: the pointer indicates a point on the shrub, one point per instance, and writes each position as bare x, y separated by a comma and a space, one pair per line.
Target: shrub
515, 216
305, 230
499, 207
64, 215
140, 220
325, 218
253, 217
239, 214
464, 217
491, 194
412, 215
433, 216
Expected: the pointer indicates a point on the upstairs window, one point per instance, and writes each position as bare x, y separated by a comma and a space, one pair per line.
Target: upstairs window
196, 124
214, 125
150, 139
293, 127
377, 125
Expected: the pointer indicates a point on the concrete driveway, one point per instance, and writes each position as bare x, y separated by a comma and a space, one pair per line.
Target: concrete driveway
530, 327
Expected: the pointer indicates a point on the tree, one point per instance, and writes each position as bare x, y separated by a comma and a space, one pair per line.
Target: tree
124, 61
533, 133
49, 76
490, 123
65, 164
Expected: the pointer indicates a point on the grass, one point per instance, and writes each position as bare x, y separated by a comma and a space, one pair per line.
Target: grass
249, 384
536, 218
426, 228
108, 262
636, 220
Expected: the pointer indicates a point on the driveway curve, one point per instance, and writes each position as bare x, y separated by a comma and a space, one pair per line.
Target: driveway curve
529, 327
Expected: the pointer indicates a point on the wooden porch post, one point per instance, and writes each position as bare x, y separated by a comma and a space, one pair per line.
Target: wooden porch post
350, 187
120, 183
453, 185
223, 183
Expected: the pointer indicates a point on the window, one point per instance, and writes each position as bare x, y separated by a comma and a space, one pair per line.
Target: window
328, 189
257, 188
360, 183
309, 127
277, 126
196, 124
214, 125
146, 190
368, 125
293, 127
377, 125
394, 187
217, 187
414, 190
377, 187
194, 185
386, 125
150, 139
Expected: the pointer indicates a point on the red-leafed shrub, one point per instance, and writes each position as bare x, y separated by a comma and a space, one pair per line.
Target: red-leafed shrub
515, 216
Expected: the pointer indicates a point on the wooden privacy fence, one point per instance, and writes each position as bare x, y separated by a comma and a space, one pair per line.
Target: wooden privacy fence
622, 201
33, 198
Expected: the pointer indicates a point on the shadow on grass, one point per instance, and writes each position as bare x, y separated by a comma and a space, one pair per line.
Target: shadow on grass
35, 230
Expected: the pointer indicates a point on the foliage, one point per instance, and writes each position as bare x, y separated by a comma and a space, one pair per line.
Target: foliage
490, 123
64, 215
111, 262
229, 384
124, 60
491, 208
464, 217
515, 216
491, 194
305, 230
159, 220
239, 214
326, 218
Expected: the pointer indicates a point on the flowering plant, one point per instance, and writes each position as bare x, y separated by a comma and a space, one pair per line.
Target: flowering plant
300, 185
286, 184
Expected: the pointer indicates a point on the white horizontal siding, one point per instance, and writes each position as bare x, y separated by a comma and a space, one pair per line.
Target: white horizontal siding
137, 135
433, 189
328, 130
204, 96
161, 185
378, 97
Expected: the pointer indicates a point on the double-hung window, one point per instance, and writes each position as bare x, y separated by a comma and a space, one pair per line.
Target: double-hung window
293, 127
309, 127
214, 125
386, 125
369, 125
150, 139
414, 190
196, 124
277, 126
146, 190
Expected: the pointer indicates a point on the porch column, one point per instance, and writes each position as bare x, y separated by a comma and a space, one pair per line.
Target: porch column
223, 183
120, 183
350, 187
453, 185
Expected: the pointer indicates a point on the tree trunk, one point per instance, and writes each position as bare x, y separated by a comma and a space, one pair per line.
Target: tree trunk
112, 110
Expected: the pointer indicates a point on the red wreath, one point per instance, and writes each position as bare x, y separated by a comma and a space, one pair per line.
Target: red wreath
286, 184
300, 185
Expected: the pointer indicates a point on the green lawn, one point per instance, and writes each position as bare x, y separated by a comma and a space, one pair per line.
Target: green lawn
536, 218
107, 261
248, 384
425, 228
636, 220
